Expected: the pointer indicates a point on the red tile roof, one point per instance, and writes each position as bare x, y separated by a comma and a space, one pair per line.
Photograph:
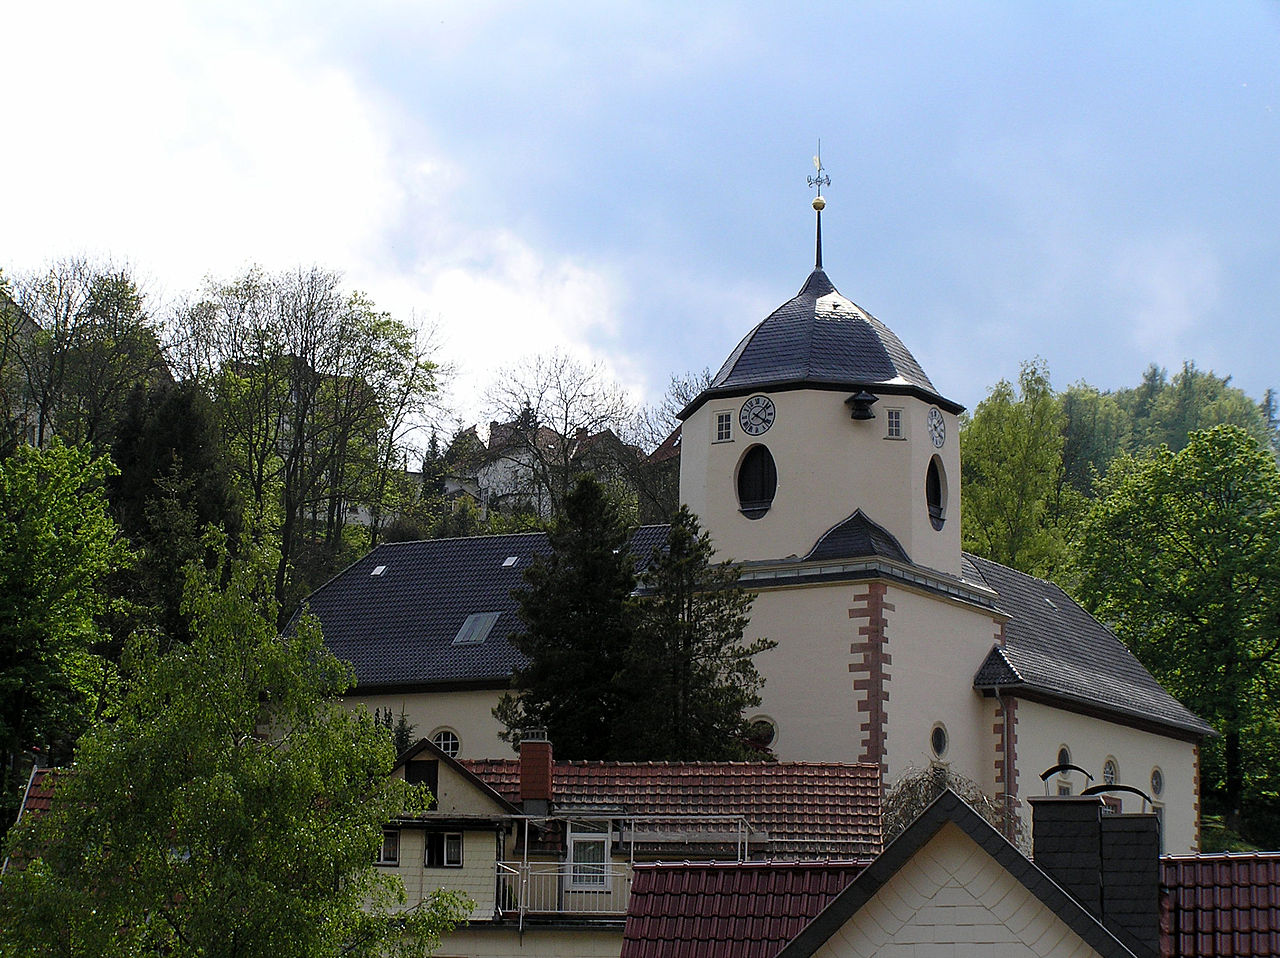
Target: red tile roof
809, 810
39, 791
1217, 905
732, 910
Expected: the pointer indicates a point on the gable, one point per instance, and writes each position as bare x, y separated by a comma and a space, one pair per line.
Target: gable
952, 891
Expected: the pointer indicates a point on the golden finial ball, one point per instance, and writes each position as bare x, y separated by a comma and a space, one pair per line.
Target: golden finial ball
819, 203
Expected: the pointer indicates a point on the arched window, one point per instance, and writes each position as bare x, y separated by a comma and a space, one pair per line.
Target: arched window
935, 493
757, 482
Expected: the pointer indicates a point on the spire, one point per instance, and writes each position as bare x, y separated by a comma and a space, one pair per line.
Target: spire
819, 203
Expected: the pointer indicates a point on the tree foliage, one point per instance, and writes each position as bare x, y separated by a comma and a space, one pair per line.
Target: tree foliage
1011, 461
665, 676
694, 672
1181, 554
578, 628
57, 546
231, 807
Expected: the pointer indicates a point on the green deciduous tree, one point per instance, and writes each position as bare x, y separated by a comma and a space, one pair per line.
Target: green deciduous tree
57, 546
231, 807
1011, 462
1181, 554
691, 671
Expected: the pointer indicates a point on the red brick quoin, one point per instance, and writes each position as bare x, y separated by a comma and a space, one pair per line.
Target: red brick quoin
870, 669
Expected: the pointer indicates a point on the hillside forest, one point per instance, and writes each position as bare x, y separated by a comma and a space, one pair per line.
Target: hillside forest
292, 413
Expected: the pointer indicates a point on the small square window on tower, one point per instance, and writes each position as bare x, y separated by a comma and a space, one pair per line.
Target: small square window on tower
724, 426
893, 424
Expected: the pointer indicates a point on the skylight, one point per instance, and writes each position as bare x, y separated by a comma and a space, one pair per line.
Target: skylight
476, 628
378, 570
509, 561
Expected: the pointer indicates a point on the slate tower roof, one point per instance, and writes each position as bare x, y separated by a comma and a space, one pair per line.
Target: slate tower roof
820, 340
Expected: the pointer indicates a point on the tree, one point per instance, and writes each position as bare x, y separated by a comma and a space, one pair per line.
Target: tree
576, 611
173, 482
543, 413
57, 546
692, 673
1181, 553
1011, 462
94, 343
916, 790
315, 391
231, 807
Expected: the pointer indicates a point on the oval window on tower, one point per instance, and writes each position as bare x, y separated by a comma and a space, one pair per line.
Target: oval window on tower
757, 482
935, 493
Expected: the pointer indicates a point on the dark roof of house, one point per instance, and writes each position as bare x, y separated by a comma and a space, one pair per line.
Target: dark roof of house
1055, 649
854, 537
949, 807
820, 339
727, 909
397, 627
1215, 906
808, 810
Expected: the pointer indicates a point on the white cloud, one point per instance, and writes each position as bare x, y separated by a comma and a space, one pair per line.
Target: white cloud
1173, 284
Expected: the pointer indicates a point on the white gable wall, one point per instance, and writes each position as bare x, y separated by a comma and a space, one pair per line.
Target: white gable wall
952, 899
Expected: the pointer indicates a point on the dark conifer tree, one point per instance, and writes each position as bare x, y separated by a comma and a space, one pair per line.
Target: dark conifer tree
576, 609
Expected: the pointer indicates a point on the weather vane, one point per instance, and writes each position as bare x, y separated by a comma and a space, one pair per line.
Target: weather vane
821, 179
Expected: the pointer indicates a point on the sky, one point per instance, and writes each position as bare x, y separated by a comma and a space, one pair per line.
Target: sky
1095, 184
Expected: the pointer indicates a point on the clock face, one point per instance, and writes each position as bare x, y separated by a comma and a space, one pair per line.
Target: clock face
757, 415
937, 427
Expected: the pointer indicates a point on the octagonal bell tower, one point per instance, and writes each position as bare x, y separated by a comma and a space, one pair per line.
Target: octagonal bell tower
821, 413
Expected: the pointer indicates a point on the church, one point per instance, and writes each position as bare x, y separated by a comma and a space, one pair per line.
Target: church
825, 463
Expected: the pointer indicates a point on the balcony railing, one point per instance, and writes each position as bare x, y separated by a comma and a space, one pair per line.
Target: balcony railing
563, 888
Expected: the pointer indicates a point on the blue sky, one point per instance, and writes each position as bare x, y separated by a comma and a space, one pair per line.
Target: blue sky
1096, 184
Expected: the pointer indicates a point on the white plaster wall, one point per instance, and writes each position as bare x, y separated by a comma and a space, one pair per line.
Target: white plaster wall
469, 714
952, 899
1042, 730
937, 645
808, 691
533, 943
828, 466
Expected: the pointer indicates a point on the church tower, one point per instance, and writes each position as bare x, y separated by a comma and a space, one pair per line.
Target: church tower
821, 423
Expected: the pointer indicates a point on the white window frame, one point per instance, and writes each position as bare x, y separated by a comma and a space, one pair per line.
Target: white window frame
449, 842
457, 742
894, 424
582, 874
722, 417
382, 858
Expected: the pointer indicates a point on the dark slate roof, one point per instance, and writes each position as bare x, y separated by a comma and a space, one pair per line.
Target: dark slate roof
397, 628
807, 809
1215, 906
1055, 649
949, 807
727, 909
820, 339
855, 537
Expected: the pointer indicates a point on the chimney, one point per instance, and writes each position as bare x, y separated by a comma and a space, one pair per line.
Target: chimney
1109, 863
535, 771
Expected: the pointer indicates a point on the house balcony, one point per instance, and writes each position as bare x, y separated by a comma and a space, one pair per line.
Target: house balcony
563, 890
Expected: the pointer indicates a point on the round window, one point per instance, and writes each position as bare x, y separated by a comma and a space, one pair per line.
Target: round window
761, 733
1157, 781
938, 740
757, 482
1064, 756
447, 741
1110, 771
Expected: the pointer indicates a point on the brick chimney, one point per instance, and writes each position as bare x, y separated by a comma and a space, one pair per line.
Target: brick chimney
1109, 863
535, 771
